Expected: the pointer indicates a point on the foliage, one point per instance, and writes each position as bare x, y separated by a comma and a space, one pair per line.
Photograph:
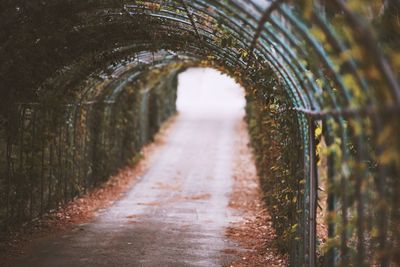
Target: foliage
275, 137
332, 63
52, 157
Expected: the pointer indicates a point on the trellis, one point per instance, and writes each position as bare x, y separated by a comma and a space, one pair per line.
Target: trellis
327, 59
53, 155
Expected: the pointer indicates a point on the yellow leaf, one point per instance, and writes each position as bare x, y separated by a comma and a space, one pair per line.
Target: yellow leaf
318, 131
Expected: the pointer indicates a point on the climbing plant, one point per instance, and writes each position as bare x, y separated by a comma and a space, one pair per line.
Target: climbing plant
313, 70
275, 138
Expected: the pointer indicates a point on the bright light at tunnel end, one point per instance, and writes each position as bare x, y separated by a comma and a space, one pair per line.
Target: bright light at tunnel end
209, 92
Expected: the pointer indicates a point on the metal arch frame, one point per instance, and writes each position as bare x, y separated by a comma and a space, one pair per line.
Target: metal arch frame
314, 114
291, 72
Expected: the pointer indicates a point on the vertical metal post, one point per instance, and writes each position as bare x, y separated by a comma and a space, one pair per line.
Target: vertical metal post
331, 253
32, 167
49, 196
20, 180
313, 194
74, 176
8, 185
42, 171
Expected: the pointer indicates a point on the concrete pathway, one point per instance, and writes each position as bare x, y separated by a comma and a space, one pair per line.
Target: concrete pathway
176, 215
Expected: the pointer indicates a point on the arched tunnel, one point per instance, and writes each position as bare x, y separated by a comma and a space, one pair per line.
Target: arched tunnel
85, 84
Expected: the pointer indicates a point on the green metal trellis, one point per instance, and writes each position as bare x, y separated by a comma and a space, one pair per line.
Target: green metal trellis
335, 72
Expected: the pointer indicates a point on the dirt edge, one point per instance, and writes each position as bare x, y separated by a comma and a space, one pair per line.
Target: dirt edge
254, 232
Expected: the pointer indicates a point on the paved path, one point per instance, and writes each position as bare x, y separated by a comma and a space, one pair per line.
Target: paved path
177, 213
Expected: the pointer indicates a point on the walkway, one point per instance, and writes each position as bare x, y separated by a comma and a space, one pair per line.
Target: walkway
177, 214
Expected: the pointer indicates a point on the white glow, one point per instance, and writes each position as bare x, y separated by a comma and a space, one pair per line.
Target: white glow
208, 92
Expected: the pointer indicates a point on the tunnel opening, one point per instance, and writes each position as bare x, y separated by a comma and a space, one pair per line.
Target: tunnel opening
208, 91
